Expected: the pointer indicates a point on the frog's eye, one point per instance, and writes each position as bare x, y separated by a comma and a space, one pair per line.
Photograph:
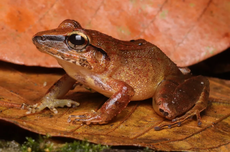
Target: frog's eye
77, 42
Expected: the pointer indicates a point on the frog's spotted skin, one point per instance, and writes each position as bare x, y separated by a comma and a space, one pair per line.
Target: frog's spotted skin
123, 71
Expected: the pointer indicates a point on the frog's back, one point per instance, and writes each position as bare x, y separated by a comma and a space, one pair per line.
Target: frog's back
138, 63
143, 66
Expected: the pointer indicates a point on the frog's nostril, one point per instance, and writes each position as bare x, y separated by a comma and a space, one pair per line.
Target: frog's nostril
43, 38
39, 38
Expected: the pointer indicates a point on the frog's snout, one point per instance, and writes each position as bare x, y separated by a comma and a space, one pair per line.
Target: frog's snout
164, 113
39, 39
36, 40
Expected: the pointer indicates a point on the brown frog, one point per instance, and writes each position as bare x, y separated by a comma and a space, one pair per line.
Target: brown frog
123, 71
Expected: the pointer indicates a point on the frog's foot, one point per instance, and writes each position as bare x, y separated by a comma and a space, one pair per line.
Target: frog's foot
179, 120
51, 104
93, 117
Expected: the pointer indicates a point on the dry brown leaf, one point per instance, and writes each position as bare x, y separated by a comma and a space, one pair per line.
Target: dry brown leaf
187, 31
133, 126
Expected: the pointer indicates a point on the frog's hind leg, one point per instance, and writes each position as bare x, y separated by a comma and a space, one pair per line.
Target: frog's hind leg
120, 98
199, 106
191, 95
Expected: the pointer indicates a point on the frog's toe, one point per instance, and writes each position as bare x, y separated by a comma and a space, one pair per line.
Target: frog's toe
31, 108
179, 120
51, 104
36, 108
57, 103
89, 118
187, 115
64, 102
167, 124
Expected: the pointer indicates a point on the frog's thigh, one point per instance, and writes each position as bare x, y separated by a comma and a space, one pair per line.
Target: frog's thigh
173, 98
200, 89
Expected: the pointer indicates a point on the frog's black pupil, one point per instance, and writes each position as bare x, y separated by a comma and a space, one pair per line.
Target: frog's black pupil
77, 39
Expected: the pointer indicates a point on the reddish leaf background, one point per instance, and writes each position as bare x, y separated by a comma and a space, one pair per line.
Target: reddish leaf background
133, 126
187, 31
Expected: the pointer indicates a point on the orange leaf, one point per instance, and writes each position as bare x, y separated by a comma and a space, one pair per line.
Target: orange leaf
133, 126
187, 31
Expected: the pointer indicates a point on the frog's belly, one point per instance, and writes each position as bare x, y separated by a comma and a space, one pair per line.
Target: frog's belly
141, 92
143, 87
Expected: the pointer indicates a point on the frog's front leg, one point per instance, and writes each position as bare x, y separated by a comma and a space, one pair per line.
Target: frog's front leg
175, 97
122, 94
50, 100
